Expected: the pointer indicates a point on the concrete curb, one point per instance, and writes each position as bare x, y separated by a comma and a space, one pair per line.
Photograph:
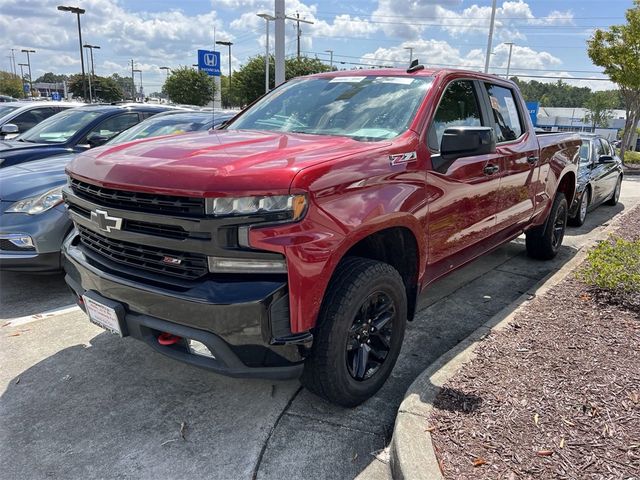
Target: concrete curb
412, 453
631, 171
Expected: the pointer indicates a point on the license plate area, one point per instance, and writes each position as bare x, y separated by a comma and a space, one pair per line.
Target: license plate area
105, 313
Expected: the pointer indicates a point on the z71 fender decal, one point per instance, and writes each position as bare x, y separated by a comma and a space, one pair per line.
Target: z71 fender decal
400, 158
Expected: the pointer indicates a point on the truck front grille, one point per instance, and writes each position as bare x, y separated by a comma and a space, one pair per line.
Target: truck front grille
188, 266
137, 201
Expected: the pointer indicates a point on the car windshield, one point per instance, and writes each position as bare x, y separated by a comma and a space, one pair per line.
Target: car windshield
60, 127
368, 108
172, 124
4, 109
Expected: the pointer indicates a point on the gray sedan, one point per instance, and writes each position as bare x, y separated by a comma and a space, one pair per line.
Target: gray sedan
33, 220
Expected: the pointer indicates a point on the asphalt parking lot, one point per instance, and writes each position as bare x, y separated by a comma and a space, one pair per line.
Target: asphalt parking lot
78, 402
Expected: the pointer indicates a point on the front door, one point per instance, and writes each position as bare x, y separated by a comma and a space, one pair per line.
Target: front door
462, 193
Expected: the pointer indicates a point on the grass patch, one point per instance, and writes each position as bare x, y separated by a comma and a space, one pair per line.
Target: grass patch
613, 266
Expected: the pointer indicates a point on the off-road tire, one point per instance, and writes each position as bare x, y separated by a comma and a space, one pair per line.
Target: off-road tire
326, 372
543, 242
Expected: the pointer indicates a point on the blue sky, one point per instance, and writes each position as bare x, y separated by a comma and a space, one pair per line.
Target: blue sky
548, 35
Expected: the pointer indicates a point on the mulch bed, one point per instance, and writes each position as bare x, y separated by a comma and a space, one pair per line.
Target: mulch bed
556, 395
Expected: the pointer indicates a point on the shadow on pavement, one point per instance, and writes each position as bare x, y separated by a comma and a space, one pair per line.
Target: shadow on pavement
23, 294
114, 409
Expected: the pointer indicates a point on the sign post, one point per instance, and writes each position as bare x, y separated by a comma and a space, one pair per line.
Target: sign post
209, 62
533, 108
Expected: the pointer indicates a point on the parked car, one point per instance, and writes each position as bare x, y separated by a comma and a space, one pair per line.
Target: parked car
74, 130
7, 98
295, 241
19, 117
33, 221
599, 178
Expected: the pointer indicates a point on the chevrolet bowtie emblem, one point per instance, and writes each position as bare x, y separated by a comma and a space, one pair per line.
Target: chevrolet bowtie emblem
105, 222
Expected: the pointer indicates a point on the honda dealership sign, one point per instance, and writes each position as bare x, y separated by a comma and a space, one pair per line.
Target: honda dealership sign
209, 62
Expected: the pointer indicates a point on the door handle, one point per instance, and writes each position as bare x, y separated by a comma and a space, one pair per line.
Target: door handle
490, 169
532, 159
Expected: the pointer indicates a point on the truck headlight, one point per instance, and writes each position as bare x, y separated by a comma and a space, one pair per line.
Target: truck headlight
295, 205
38, 203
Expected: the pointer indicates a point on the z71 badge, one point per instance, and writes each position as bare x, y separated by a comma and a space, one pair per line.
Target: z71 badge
400, 158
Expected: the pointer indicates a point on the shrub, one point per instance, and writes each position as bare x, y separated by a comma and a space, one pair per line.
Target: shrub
613, 265
631, 157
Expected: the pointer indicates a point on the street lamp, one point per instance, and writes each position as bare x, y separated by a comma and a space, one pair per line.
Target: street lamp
93, 73
166, 70
141, 89
330, 52
22, 73
78, 11
27, 51
227, 44
267, 18
509, 61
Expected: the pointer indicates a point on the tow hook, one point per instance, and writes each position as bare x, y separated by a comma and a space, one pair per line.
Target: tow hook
168, 339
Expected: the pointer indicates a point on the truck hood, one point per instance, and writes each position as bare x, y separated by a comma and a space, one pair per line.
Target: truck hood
33, 178
213, 163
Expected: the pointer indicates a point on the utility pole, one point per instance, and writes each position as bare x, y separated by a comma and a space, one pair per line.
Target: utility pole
279, 48
93, 73
267, 18
410, 54
78, 11
490, 39
90, 94
27, 51
13, 59
509, 61
297, 19
133, 84
141, 88
330, 52
22, 74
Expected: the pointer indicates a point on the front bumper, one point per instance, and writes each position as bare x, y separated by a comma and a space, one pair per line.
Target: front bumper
245, 323
47, 230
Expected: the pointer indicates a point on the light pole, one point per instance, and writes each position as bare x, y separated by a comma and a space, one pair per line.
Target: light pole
93, 73
410, 54
78, 11
227, 44
166, 70
330, 52
141, 89
490, 39
27, 51
509, 61
22, 73
267, 18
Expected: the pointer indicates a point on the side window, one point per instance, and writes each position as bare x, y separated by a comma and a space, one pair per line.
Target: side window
146, 115
31, 118
584, 153
458, 108
505, 113
114, 125
607, 147
598, 150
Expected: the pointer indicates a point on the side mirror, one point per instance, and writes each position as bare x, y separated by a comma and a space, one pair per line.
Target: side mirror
9, 129
466, 142
606, 159
95, 140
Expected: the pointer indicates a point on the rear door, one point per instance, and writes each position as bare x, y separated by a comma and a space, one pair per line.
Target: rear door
518, 150
464, 199
600, 171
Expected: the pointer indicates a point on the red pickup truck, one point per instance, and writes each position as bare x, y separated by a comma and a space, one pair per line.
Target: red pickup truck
296, 240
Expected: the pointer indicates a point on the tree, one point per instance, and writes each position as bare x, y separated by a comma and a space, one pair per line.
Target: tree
51, 77
617, 50
106, 89
189, 86
247, 84
599, 111
125, 84
11, 85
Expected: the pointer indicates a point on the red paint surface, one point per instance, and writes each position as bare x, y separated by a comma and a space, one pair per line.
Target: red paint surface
353, 189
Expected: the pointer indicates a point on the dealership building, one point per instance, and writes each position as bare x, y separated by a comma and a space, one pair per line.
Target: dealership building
573, 120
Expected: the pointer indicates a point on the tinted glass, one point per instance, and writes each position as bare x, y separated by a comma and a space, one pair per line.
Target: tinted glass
367, 108
165, 125
458, 108
114, 125
598, 149
60, 127
31, 118
584, 153
4, 109
505, 113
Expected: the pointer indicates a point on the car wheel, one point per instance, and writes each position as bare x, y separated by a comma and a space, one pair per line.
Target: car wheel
543, 242
581, 212
359, 334
613, 201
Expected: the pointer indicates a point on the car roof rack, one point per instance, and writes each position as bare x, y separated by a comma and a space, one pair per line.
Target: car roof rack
415, 66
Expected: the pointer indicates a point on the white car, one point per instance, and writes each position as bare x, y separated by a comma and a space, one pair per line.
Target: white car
18, 117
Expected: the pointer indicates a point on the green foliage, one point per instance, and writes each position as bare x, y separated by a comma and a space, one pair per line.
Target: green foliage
614, 266
599, 108
632, 157
105, 89
558, 94
10, 84
51, 77
189, 86
125, 84
247, 84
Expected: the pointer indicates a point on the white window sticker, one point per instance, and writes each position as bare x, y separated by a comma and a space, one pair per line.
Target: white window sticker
398, 80
511, 109
346, 79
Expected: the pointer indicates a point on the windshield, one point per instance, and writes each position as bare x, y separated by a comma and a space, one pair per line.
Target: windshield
4, 109
369, 108
60, 127
173, 124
